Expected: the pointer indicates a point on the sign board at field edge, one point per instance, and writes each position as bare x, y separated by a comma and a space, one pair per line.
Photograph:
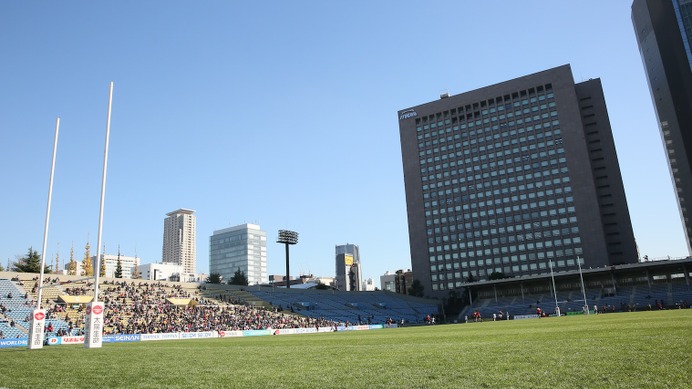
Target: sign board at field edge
36, 328
93, 334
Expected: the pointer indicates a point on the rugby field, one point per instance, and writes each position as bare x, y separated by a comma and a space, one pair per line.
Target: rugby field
639, 350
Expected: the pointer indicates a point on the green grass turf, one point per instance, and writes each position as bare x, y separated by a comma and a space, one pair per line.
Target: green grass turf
637, 350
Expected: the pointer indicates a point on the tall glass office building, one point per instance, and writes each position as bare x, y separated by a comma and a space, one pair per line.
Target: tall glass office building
243, 248
664, 34
511, 179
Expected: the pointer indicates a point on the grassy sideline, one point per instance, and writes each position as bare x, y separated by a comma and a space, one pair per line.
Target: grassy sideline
643, 349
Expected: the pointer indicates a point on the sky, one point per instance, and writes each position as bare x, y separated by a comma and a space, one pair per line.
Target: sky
282, 114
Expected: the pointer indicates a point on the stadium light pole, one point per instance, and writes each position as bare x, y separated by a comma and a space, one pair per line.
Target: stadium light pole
288, 238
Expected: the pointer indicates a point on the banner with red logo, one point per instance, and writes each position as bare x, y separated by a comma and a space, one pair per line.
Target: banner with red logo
71, 339
36, 327
93, 333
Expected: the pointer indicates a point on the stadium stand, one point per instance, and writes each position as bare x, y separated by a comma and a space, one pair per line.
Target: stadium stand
377, 307
139, 306
624, 288
14, 310
136, 306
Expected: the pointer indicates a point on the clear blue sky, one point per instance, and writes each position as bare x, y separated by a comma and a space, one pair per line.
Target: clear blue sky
281, 114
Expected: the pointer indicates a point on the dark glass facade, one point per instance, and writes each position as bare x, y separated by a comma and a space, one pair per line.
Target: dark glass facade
664, 30
505, 181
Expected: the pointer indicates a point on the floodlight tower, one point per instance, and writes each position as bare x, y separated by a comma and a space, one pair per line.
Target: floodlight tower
288, 238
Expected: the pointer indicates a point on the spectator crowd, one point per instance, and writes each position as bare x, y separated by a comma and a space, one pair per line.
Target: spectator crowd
158, 307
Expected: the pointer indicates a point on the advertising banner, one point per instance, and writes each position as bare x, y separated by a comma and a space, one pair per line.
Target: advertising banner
163, 336
53, 341
519, 317
354, 328
71, 339
230, 334
14, 342
256, 332
293, 331
121, 338
198, 335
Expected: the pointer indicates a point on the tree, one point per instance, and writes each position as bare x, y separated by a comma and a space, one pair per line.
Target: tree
1, 268
72, 265
87, 267
416, 289
214, 278
102, 262
118, 268
135, 273
239, 278
496, 275
31, 263
102, 270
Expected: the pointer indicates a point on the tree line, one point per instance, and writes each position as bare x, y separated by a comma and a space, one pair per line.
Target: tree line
31, 263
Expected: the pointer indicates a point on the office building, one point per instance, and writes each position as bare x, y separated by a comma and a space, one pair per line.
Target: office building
511, 179
128, 264
397, 282
388, 281
163, 272
348, 270
180, 240
404, 280
664, 33
243, 248
368, 285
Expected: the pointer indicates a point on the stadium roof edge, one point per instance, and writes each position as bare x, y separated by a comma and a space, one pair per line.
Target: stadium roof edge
631, 266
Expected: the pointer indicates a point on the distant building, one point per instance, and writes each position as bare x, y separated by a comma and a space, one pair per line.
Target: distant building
328, 281
388, 282
163, 272
348, 270
368, 285
513, 179
304, 281
277, 279
180, 239
664, 35
404, 279
397, 282
128, 264
243, 248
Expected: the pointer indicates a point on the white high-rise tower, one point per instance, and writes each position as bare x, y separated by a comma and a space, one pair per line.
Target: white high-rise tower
180, 239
